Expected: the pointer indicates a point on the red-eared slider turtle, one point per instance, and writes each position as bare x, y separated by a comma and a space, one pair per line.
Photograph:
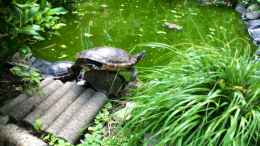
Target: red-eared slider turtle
107, 69
57, 70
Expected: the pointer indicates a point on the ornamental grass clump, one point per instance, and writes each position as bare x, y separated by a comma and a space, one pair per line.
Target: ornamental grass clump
203, 97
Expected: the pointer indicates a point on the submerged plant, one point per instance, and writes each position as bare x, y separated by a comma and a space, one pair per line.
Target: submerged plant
203, 97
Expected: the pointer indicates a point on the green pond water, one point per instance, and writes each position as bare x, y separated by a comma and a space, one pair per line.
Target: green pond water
126, 23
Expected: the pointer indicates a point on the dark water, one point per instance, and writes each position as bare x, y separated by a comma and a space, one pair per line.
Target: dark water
126, 23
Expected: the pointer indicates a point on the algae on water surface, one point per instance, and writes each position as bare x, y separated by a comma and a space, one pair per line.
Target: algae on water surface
125, 23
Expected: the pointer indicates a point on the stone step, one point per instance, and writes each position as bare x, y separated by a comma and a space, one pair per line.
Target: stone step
60, 106
13, 103
12, 135
64, 110
71, 111
24, 108
46, 104
79, 122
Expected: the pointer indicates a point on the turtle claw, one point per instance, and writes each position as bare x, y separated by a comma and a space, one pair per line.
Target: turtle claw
81, 83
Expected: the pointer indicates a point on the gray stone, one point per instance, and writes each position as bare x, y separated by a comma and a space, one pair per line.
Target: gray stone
252, 24
46, 104
254, 33
253, 7
4, 120
252, 15
67, 115
240, 8
12, 135
73, 129
24, 108
55, 110
21, 98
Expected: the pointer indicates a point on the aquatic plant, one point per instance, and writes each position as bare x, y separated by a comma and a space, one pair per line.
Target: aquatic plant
203, 97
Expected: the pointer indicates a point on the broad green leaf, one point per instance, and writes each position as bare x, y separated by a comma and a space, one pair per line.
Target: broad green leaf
57, 11
31, 30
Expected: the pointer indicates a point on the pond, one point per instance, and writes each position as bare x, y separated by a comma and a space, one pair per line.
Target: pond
126, 23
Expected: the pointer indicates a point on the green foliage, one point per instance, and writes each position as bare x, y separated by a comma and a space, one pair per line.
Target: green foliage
24, 22
30, 76
55, 141
204, 96
96, 135
97, 132
37, 125
68, 4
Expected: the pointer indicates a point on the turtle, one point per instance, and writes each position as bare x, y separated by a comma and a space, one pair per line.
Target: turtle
107, 69
58, 70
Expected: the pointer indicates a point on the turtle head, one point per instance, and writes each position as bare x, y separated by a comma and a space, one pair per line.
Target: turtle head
139, 56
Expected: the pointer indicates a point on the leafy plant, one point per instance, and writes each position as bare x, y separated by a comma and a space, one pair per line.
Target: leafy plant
55, 141
97, 132
24, 22
30, 76
203, 97
37, 125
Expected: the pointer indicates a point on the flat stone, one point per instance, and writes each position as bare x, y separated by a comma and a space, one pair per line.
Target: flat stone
74, 128
56, 109
67, 115
252, 24
253, 7
46, 104
24, 108
12, 135
4, 120
252, 15
21, 98
254, 33
240, 8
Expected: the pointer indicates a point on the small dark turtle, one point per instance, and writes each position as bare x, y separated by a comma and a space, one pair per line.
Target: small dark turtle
57, 70
107, 61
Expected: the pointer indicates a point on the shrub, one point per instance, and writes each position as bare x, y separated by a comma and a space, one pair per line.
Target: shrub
23, 22
203, 97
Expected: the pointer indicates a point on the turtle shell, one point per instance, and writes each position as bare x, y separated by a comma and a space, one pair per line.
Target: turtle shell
55, 69
60, 68
107, 58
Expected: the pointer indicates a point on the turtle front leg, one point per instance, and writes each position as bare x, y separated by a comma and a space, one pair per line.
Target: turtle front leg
81, 77
133, 76
133, 83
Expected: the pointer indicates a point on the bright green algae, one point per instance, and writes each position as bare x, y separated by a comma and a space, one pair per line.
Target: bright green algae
126, 23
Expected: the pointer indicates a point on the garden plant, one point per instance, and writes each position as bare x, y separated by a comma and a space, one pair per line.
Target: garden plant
198, 84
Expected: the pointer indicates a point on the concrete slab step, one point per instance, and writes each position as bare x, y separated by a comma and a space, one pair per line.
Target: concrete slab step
47, 103
12, 135
60, 106
71, 111
22, 109
64, 110
74, 128
13, 103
